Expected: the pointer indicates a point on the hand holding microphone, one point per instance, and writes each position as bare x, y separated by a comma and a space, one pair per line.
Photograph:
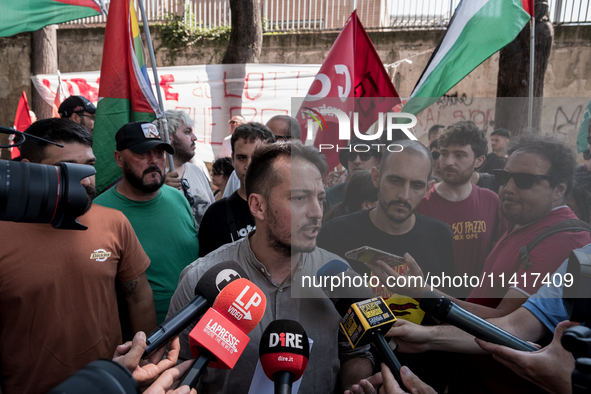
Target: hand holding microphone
284, 352
206, 291
220, 337
445, 310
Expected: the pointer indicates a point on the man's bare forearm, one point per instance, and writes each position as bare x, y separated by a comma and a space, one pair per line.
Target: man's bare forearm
353, 370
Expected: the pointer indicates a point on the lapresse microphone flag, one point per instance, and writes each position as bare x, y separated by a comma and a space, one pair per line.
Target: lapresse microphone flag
284, 347
442, 308
223, 329
207, 289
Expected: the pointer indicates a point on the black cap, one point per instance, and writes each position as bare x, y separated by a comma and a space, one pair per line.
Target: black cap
344, 153
75, 104
140, 137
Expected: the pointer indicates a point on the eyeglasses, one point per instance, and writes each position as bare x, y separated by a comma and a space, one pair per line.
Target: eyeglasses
435, 155
86, 116
185, 186
233, 122
522, 180
363, 156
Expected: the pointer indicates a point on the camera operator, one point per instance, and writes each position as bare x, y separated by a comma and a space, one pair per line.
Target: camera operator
58, 307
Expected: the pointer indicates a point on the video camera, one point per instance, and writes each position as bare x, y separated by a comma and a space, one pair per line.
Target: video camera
39, 193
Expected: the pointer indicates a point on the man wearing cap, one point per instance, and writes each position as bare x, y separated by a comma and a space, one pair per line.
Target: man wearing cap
159, 214
358, 157
80, 110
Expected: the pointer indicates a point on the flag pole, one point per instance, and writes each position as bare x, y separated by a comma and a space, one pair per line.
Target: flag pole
532, 36
162, 120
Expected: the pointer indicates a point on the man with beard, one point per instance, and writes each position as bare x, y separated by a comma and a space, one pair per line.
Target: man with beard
58, 307
285, 193
187, 177
473, 213
535, 184
160, 214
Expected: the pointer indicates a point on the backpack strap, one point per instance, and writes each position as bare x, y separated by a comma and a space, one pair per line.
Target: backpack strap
230, 220
568, 225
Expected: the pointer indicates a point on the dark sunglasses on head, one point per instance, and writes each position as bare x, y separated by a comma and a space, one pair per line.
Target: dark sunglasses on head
186, 187
363, 156
522, 180
217, 173
435, 155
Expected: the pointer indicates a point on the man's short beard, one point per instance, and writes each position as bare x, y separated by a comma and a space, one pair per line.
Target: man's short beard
138, 182
91, 193
181, 153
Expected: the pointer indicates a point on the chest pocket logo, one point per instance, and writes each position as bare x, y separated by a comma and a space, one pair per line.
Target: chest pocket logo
100, 255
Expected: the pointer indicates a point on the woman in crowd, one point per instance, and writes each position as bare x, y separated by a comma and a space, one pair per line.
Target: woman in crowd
360, 194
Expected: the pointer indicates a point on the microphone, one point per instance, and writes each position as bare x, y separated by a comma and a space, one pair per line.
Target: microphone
366, 318
220, 337
442, 308
284, 351
332, 268
209, 286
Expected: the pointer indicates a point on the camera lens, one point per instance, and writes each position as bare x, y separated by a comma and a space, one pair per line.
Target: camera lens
29, 192
38, 193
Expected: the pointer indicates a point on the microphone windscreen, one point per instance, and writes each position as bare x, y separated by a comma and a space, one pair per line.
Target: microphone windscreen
435, 304
352, 289
243, 303
216, 278
333, 267
284, 347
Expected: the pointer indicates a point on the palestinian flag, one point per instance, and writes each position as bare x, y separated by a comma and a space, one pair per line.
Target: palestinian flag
125, 91
477, 30
19, 16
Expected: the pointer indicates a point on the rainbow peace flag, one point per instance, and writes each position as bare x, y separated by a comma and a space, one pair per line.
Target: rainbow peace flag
125, 92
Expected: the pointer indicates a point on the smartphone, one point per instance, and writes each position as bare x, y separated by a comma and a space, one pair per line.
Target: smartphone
367, 254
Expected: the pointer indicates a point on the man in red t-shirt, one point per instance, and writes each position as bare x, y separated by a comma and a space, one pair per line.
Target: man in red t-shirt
473, 213
535, 184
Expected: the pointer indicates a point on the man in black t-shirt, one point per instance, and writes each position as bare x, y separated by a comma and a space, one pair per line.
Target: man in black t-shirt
394, 226
229, 219
499, 139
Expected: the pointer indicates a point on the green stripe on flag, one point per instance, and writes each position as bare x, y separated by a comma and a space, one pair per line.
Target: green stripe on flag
111, 115
20, 16
493, 27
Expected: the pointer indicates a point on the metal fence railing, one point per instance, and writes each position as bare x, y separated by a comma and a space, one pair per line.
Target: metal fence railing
296, 15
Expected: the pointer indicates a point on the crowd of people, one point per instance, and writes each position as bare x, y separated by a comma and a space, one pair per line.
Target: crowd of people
69, 297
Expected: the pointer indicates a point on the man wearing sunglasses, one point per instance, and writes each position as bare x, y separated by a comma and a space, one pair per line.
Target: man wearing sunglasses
473, 213
359, 156
159, 214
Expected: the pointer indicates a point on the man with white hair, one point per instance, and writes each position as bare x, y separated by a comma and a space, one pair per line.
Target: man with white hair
187, 177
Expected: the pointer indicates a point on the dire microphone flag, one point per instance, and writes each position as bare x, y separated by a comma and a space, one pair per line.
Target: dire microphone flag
284, 347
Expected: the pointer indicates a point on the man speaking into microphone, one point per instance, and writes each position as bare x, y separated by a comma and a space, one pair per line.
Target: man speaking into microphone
285, 195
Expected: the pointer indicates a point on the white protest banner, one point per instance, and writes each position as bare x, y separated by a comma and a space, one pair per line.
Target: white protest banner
211, 95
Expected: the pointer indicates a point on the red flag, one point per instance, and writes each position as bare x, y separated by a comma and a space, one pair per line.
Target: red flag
58, 97
352, 69
22, 120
